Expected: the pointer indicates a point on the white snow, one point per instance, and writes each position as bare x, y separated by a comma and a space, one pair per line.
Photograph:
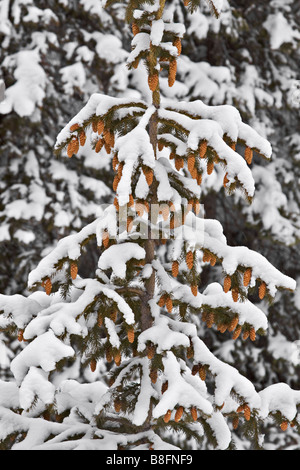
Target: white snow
116, 257
280, 30
29, 90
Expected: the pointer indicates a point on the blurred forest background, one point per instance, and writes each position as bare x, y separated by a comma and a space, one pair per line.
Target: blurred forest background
54, 54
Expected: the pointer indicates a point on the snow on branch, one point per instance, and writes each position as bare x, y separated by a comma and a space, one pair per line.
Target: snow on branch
183, 389
208, 235
68, 248
228, 118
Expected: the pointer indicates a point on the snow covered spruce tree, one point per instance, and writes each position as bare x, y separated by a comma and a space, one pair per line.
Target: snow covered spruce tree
165, 388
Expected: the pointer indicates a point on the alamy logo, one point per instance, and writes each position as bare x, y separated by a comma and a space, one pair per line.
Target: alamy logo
155, 221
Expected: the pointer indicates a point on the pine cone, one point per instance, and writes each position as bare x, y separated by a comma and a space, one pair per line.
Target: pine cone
48, 286
116, 203
120, 169
213, 260
70, 149
203, 149
130, 335
189, 352
82, 138
150, 351
195, 369
177, 44
175, 268
178, 414
233, 324
153, 376
99, 320
194, 289
247, 277
108, 355
248, 155
178, 163
189, 259
252, 334
115, 182
117, 358
115, 161
210, 167
100, 126
169, 305
167, 416
262, 290
75, 145
99, 145
194, 413
235, 422
237, 332
284, 425
73, 270
246, 334
93, 365
202, 373
194, 173
164, 387
105, 239
148, 172
74, 127
131, 201
227, 284
129, 224
162, 300
191, 163
235, 294
247, 413
153, 81
206, 257
210, 319
135, 29
172, 72
94, 126
240, 409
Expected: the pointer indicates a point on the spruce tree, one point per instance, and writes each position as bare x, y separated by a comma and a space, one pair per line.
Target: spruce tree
165, 389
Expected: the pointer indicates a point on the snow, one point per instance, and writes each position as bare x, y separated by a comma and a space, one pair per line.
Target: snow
280, 30
21, 308
109, 48
180, 392
116, 257
162, 335
220, 430
279, 397
45, 351
73, 76
36, 384
157, 31
113, 336
29, 90
143, 401
69, 247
